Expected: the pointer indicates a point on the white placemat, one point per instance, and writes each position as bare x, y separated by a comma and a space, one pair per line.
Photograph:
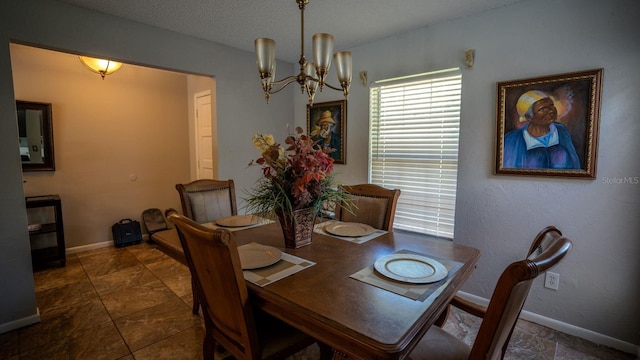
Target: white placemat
319, 228
288, 265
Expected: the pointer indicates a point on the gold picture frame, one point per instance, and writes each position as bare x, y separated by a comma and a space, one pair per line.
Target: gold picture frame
327, 126
548, 126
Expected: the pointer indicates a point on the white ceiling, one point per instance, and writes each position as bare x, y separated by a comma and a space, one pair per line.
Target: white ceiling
238, 23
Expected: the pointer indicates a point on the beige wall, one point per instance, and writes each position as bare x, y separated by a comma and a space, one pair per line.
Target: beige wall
121, 144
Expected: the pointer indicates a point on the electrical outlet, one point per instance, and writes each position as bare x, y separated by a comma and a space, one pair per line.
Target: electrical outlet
552, 280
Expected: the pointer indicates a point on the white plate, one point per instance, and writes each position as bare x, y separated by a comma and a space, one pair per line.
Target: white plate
237, 221
348, 229
411, 268
254, 256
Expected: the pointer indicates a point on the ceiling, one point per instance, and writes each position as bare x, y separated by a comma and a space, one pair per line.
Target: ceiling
238, 23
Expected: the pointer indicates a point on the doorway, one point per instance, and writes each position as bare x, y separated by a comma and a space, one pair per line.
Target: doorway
204, 136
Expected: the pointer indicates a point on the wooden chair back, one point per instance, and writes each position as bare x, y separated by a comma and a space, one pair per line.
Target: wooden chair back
214, 262
373, 205
206, 200
510, 293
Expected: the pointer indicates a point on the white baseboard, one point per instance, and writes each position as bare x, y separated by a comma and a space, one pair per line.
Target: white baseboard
564, 327
16, 324
100, 245
81, 248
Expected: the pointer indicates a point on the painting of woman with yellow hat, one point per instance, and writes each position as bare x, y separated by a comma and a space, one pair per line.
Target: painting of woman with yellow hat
548, 126
326, 126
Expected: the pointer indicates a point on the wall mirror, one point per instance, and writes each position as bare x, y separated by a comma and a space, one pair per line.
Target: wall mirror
35, 133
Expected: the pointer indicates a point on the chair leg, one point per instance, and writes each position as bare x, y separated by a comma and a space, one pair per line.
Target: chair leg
442, 319
209, 346
196, 302
326, 352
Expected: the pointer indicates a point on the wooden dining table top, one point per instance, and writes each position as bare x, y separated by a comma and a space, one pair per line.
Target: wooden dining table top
358, 320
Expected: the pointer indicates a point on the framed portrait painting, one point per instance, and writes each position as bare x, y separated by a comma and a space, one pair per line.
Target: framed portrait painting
548, 126
327, 126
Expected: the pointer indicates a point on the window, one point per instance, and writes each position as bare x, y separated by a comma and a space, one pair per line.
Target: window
414, 131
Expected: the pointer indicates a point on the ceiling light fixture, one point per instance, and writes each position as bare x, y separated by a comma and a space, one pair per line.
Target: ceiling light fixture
100, 66
322, 49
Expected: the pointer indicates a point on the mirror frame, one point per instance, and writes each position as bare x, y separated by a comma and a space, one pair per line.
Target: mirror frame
47, 137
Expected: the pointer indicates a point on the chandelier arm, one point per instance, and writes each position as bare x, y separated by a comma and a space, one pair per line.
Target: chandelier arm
344, 89
333, 87
282, 83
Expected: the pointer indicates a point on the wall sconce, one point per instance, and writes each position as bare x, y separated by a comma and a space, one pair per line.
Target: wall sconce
363, 78
100, 66
469, 58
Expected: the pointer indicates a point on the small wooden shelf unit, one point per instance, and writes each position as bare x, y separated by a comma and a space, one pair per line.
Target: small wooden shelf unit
49, 254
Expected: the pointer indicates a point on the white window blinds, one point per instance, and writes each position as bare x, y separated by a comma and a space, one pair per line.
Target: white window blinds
414, 130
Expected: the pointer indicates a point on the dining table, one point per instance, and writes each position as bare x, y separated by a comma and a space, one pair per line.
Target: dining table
356, 318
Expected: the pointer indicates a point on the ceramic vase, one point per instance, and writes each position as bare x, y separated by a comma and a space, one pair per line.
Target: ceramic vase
297, 228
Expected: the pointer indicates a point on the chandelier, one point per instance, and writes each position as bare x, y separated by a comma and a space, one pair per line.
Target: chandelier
322, 49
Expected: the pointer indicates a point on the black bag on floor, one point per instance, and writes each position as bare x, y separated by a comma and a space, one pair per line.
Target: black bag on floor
126, 232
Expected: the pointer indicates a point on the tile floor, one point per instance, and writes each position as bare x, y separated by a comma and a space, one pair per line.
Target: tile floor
135, 303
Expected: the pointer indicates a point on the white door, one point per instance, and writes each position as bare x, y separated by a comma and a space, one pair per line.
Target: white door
204, 137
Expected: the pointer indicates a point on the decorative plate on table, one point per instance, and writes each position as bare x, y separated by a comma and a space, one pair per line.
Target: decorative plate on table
411, 268
348, 229
255, 256
237, 221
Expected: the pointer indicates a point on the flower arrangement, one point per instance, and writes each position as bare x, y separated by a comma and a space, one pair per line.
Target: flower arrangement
298, 177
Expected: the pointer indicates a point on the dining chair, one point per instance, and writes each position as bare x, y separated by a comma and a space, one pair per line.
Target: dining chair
505, 305
203, 201
230, 320
372, 204
206, 200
